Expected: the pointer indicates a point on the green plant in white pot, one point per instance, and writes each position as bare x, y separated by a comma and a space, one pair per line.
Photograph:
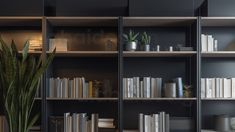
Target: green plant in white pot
19, 81
131, 40
145, 41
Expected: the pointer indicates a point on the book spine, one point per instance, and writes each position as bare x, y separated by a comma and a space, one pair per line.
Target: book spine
141, 122
217, 91
159, 87
213, 87
203, 87
221, 90
233, 87
153, 88
138, 87
210, 41
203, 43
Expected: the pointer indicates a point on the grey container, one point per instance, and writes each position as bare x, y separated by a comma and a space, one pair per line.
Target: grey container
170, 90
222, 123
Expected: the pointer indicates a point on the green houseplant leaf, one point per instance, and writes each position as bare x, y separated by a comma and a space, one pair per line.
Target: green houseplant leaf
19, 81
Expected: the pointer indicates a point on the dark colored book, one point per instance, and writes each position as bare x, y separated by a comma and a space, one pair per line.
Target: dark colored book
56, 124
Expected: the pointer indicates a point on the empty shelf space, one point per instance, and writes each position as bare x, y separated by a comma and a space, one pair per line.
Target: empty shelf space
158, 21
218, 21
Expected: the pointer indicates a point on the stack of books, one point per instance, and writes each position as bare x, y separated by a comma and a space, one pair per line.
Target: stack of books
106, 123
66, 88
208, 43
148, 87
35, 45
217, 87
145, 87
59, 43
79, 122
3, 124
154, 123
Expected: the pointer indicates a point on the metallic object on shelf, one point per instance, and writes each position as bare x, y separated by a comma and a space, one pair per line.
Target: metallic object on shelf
171, 48
131, 46
147, 47
222, 123
170, 90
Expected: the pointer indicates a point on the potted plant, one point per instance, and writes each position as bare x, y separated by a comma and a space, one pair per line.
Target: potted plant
145, 40
19, 80
131, 39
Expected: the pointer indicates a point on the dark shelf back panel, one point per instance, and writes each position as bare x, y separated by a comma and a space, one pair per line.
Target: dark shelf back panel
86, 8
212, 108
21, 8
218, 67
166, 37
224, 35
87, 39
20, 35
174, 108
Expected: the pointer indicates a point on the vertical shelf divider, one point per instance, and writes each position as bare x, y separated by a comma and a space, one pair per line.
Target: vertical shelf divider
199, 74
120, 74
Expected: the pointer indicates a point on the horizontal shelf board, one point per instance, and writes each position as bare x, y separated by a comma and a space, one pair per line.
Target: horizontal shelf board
218, 54
218, 21
157, 21
86, 53
218, 99
20, 21
33, 52
84, 21
146, 99
82, 99
159, 54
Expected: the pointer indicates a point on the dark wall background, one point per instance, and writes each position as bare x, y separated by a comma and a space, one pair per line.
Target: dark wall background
99, 8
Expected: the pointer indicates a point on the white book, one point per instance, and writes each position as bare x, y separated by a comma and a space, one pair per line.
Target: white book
141, 122
213, 87
153, 88
203, 43
208, 88
147, 123
217, 90
203, 87
128, 87
147, 89
137, 87
131, 87
156, 122
233, 87
221, 88
124, 88
227, 88
51, 88
210, 43
215, 45
141, 89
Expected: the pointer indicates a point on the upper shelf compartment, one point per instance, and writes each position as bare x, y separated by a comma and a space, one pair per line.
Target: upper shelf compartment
218, 21
158, 21
84, 21
20, 21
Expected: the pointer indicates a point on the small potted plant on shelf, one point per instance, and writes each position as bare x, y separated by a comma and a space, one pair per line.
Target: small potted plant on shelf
132, 41
145, 41
19, 81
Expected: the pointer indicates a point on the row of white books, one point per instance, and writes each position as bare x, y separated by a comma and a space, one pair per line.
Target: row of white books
154, 123
208, 43
80, 122
66, 88
148, 87
3, 124
217, 87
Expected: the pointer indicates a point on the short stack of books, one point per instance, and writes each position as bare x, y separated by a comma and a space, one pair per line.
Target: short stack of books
217, 87
66, 88
148, 87
79, 122
154, 123
35, 45
208, 43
